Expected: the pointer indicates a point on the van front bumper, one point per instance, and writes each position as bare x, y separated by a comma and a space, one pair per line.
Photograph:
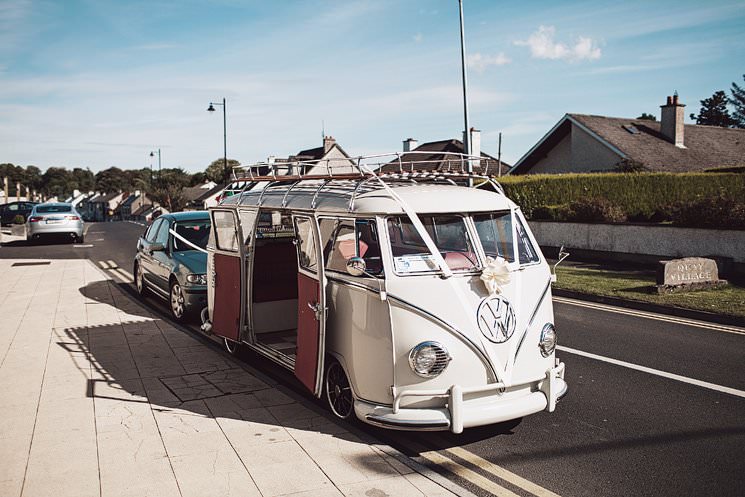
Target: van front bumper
459, 413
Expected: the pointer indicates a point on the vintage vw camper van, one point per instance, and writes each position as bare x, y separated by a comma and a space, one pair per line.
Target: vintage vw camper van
406, 299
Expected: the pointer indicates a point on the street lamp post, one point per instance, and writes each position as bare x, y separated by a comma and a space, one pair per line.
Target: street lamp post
152, 154
467, 134
211, 108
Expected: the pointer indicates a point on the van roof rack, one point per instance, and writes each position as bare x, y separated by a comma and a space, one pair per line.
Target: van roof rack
353, 176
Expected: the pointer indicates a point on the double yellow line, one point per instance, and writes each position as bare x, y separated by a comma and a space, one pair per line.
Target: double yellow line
445, 459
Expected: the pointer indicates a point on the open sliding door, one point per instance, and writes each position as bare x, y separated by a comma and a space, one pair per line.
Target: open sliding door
311, 305
226, 271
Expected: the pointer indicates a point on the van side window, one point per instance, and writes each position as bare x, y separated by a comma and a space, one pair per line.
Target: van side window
525, 249
306, 246
225, 232
347, 238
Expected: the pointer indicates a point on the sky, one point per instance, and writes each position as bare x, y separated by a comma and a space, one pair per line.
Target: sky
101, 83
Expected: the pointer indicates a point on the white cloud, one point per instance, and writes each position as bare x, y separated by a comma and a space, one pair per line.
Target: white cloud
543, 46
479, 62
418, 38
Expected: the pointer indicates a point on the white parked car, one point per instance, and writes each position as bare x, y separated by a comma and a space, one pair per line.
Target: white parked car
403, 299
55, 219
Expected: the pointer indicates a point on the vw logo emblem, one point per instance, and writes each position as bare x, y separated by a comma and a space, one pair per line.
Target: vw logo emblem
496, 319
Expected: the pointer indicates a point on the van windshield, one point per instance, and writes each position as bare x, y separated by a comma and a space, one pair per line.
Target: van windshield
448, 231
495, 233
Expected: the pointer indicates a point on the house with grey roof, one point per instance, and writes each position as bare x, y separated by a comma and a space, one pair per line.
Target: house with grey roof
434, 156
329, 154
581, 143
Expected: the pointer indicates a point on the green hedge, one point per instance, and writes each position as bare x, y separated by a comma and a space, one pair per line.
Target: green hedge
641, 196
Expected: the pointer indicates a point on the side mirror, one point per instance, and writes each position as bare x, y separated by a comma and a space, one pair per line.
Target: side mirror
356, 266
157, 247
563, 254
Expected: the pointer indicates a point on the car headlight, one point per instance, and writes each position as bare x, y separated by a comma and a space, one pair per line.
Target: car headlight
197, 279
547, 344
429, 359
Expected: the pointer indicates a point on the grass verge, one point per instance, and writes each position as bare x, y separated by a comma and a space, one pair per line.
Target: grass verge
639, 286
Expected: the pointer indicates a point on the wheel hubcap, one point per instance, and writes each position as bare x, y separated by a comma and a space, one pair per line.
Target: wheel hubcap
338, 391
177, 300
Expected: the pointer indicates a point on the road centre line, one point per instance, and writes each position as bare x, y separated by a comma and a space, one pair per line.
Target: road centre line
656, 372
500, 472
650, 315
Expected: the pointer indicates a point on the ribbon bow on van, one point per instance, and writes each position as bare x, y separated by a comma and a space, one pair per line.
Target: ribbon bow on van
496, 274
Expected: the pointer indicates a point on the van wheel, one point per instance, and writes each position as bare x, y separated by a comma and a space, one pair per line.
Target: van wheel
338, 391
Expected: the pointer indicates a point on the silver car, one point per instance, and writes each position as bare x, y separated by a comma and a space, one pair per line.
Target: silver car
54, 218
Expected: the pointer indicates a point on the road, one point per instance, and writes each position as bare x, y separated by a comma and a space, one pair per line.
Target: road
656, 404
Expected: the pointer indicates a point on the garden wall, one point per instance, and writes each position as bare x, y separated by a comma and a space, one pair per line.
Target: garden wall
660, 241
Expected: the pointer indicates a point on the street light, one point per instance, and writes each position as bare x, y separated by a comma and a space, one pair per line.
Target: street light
152, 154
467, 134
211, 108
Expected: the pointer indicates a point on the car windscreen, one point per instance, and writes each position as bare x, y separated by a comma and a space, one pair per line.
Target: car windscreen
495, 233
48, 209
448, 231
196, 232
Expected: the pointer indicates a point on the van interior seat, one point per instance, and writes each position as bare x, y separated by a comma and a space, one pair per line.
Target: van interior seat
275, 271
458, 261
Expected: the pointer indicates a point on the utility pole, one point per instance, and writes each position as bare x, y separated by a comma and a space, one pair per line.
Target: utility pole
467, 134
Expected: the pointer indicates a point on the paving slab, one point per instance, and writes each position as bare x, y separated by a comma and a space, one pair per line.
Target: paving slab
100, 397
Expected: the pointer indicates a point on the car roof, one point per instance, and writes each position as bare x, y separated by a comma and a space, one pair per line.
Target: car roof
187, 215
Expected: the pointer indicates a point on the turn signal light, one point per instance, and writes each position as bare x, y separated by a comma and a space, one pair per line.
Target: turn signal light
35, 219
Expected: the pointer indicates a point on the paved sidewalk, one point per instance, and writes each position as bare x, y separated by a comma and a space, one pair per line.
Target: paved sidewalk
99, 397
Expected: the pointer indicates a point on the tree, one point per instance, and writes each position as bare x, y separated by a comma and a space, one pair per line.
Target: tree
57, 182
647, 117
738, 102
83, 179
714, 111
169, 188
216, 170
112, 180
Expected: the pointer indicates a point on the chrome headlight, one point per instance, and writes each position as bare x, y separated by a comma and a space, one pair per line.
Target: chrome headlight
547, 344
429, 359
197, 279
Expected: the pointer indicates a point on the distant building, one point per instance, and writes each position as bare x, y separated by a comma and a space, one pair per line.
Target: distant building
328, 155
434, 156
581, 143
200, 197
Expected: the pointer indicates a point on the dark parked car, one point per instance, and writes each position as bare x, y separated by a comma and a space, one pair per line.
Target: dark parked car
172, 266
9, 211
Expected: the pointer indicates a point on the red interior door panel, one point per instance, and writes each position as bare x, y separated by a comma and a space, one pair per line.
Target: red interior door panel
227, 311
308, 331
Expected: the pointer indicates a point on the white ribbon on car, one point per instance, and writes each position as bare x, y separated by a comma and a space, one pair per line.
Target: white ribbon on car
495, 275
181, 238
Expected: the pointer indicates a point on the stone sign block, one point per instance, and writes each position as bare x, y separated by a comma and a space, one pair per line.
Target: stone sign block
687, 274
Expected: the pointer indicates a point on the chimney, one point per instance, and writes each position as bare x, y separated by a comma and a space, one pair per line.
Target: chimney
410, 144
328, 142
671, 122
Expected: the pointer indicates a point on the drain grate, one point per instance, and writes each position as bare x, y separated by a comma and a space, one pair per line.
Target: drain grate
40, 263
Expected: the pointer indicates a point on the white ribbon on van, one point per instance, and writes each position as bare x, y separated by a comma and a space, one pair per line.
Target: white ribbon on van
181, 238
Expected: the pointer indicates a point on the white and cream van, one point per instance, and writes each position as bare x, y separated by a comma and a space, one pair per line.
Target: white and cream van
403, 299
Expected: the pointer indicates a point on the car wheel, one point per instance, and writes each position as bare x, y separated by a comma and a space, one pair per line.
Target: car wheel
81, 238
339, 396
178, 301
140, 280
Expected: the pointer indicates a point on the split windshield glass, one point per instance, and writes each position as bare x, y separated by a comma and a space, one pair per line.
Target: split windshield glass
196, 232
495, 233
448, 231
